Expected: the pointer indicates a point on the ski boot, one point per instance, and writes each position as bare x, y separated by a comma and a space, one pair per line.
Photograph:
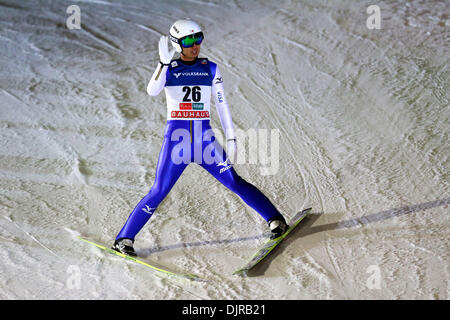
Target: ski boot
278, 227
124, 246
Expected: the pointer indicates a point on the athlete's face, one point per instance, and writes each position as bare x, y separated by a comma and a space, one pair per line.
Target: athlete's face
190, 54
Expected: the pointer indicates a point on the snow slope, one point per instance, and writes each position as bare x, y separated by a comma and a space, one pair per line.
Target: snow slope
363, 123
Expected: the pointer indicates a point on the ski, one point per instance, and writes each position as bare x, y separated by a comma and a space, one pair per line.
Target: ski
153, 266
270, 244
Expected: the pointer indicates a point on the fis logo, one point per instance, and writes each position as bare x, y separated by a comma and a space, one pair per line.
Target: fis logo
225, 166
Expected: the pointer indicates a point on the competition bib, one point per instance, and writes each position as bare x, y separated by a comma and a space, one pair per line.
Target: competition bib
188, 90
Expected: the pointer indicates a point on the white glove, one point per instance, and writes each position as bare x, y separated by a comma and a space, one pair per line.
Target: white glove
164, 54
232, 150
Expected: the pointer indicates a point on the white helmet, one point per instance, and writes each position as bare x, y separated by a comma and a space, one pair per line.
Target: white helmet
180, 29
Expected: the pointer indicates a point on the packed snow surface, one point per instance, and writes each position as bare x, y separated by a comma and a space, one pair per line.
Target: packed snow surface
361, 115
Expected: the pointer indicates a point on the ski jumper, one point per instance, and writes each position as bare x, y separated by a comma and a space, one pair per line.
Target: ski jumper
188, 138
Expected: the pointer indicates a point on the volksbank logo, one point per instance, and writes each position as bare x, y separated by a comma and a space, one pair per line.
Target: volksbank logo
190, 74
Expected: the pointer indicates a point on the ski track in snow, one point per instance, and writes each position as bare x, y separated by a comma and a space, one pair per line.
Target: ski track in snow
363, 121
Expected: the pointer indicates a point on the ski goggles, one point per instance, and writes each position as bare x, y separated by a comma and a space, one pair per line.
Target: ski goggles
190, 40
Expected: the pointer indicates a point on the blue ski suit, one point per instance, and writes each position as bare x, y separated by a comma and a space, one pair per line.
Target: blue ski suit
188, 138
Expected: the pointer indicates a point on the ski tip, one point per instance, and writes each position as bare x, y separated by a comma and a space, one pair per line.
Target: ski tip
240, 272
194, 277
191, 276
82, 239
